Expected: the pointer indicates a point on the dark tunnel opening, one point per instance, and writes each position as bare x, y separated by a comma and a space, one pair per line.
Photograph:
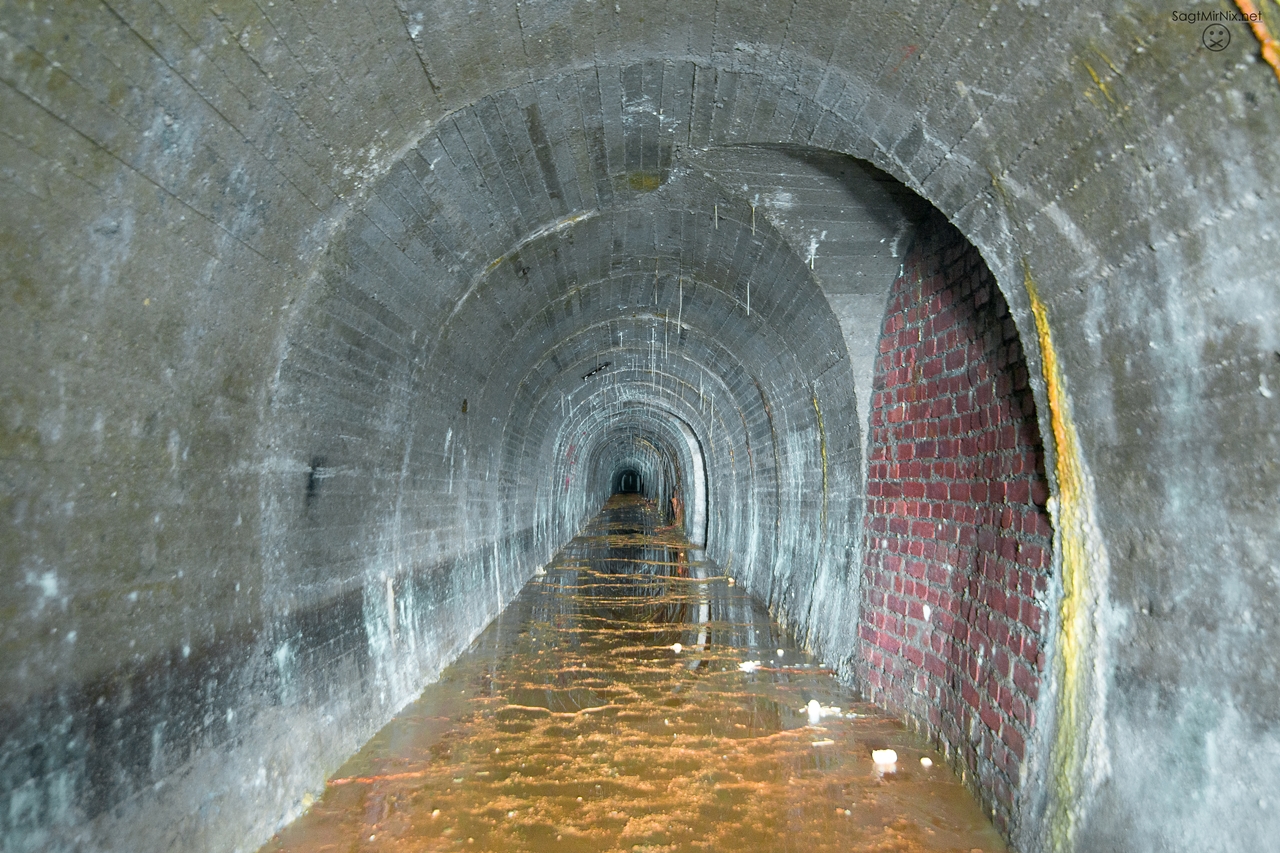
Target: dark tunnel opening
627, 482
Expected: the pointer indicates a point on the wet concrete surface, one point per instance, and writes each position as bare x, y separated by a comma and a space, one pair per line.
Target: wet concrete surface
633, 699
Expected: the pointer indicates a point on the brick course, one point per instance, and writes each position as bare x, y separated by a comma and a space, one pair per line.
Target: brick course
959, 544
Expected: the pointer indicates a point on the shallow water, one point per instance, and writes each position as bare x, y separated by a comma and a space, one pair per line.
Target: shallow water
576, 723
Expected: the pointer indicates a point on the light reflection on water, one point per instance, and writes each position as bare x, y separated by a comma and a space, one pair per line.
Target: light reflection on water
575, 723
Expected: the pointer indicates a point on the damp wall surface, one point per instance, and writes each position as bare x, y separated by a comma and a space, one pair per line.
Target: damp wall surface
245, 515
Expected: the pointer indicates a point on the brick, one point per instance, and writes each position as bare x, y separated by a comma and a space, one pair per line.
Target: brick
1031, 616
1019, 709
1000, 662
1014, 741
923, 529
1018, 491
990, 717
1025, 681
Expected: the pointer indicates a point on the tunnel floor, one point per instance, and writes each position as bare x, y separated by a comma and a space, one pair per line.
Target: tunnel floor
633, 699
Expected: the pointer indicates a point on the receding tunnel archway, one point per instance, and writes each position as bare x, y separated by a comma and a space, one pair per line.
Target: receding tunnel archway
678, 341
628, 482
655, 444
449, 271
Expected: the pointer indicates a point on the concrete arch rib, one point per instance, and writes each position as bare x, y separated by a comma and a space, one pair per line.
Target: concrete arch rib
623, 425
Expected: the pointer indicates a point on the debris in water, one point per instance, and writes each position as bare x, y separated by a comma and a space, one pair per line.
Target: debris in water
926, 762
749, 665
677, 648
884, 758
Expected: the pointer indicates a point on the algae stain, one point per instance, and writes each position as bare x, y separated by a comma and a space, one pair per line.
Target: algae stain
644, 181
1102, 86
1083, 563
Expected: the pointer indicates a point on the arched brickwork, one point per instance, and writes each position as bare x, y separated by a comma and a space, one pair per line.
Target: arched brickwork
959, 541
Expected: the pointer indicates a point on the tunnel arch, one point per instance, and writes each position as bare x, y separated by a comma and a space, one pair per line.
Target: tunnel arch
1076, 161
628, 481
583, 298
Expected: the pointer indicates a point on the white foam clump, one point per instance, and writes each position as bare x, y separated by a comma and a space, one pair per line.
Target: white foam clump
817, 711
926, 762
749, 665
884, 757
677, 648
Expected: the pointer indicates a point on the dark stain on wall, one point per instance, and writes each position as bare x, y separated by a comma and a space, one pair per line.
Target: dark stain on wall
314, 475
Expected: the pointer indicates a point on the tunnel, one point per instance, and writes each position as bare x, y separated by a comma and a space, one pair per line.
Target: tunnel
950, 332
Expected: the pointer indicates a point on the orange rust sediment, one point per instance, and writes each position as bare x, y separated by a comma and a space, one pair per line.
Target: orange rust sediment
385, 777
1270, 46
577, 723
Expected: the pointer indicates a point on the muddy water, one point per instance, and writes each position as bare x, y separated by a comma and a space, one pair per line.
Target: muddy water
633, 699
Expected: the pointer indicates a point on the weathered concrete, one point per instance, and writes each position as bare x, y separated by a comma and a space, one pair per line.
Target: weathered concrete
298, 301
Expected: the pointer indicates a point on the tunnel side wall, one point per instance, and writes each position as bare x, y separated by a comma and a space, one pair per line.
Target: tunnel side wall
959, 551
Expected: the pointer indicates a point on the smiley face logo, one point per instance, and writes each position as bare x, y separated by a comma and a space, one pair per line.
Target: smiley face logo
1216, 37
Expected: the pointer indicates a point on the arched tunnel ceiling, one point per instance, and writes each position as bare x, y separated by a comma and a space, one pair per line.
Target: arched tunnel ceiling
848, 220
553, 205
557, 264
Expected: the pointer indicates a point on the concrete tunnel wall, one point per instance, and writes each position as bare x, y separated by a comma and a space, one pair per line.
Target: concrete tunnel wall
257, 258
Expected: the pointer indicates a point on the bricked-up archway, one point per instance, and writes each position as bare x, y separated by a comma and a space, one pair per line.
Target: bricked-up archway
959, 546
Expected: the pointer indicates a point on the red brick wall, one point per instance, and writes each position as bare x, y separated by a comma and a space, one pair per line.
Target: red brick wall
955, 517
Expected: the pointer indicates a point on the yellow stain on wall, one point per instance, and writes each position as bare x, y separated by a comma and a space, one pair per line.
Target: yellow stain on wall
1098, 81
1080, 554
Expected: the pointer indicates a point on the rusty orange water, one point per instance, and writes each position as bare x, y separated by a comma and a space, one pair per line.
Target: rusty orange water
576, 723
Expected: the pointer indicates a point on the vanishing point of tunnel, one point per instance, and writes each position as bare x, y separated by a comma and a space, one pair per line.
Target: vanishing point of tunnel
580, 425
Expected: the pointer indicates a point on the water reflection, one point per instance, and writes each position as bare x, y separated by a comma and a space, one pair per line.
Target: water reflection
613, 707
